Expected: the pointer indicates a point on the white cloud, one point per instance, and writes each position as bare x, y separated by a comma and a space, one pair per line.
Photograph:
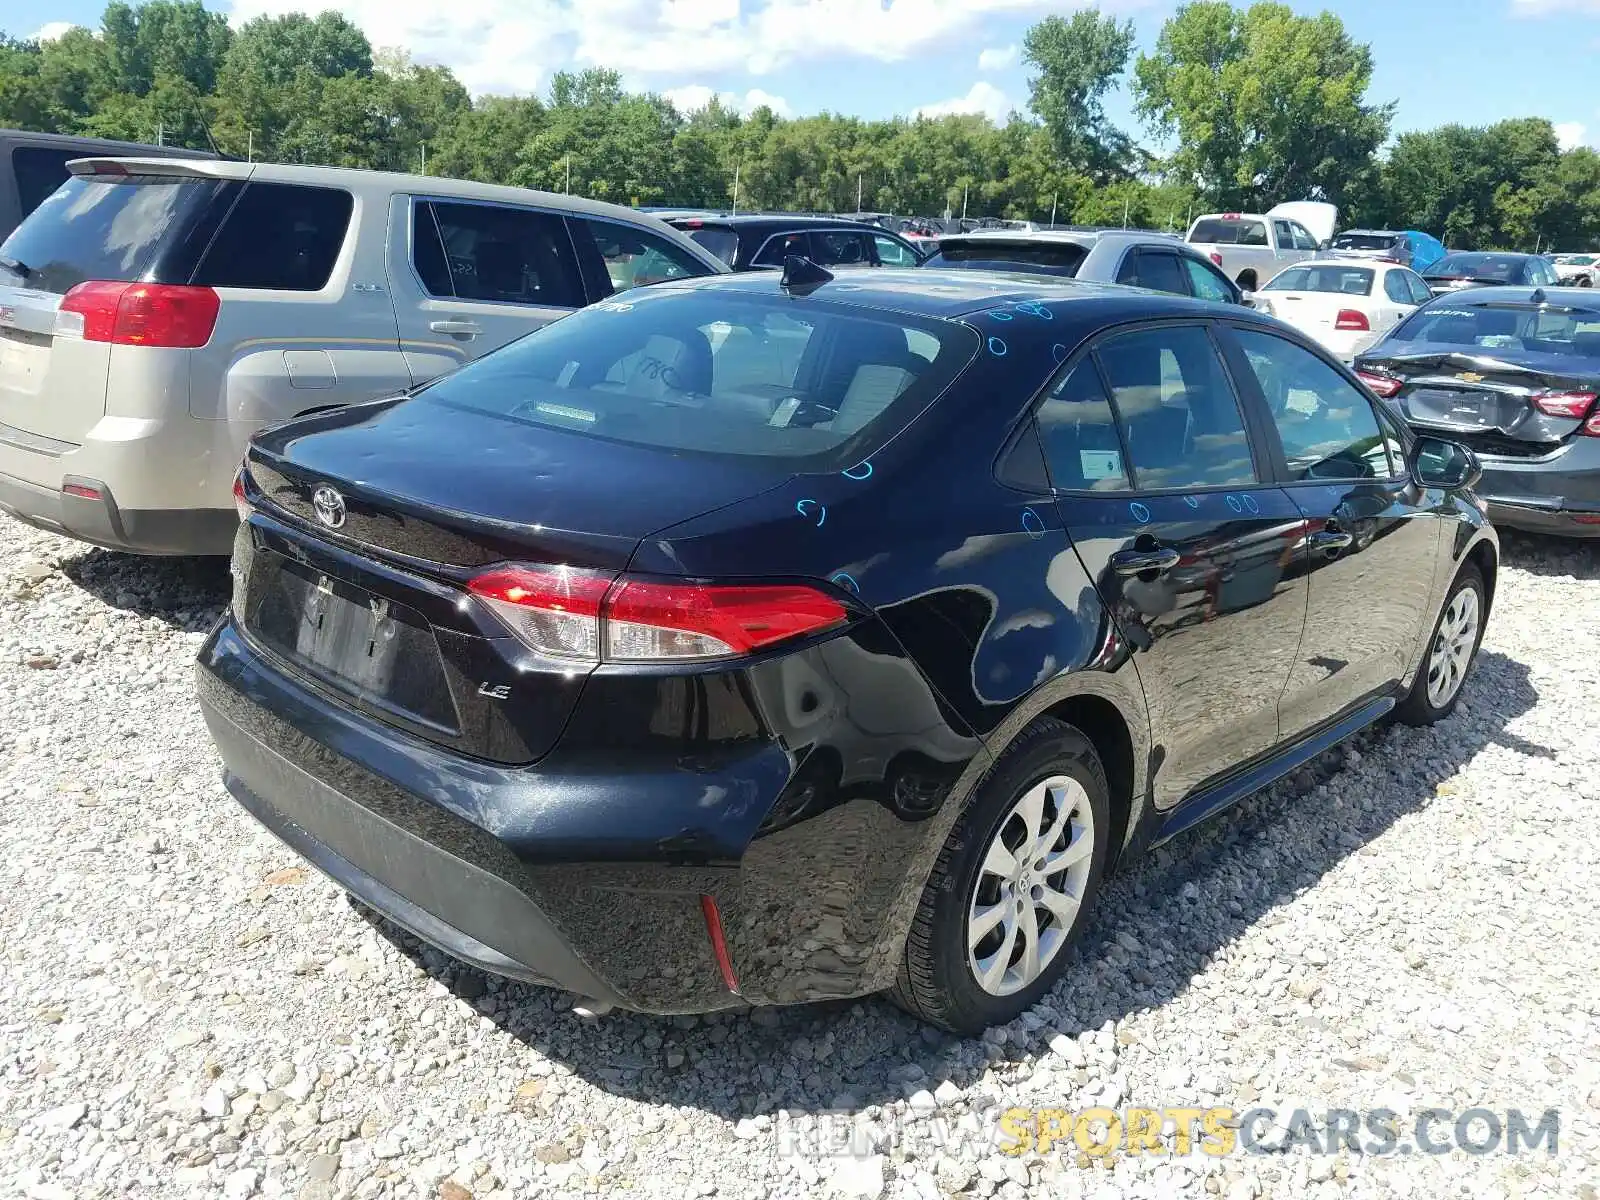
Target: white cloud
514, 45
696, 96
997, 58
50, 32
1570, 134
982, 98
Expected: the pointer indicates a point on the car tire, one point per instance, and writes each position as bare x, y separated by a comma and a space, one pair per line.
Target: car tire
1451, 651
1050, 769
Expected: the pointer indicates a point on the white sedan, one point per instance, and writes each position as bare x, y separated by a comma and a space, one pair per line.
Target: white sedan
1347, 304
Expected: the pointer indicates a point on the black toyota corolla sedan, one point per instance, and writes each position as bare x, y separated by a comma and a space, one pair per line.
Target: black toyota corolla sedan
1514, 373
769, 639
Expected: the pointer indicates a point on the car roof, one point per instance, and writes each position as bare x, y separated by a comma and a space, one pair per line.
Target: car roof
359, 180
97, 145
783, 221
953, 293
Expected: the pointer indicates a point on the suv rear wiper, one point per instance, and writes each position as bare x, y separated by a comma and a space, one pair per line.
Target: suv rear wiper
16, 266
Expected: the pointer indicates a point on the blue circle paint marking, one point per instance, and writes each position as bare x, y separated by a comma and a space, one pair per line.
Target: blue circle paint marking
1031, 524
997, 347
1032, 308
847, 581
1139, 513
1000, 314
1058, 352
860, 472
1252, 504
1192, 501
1233, 503
811, 509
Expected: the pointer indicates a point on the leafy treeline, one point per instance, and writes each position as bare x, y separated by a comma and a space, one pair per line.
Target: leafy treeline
1255, 104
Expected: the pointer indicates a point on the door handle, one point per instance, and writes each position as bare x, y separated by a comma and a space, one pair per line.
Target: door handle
1332, 540
1137, 562
460, 329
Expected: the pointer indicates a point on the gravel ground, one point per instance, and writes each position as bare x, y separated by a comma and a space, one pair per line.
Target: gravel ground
1413, 922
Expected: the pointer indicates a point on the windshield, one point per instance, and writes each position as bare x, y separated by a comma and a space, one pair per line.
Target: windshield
807, 382
1050, 258
1503, 268
1365, 241
1228, 231
103, 227
724, 243
1349, 281
1532, 328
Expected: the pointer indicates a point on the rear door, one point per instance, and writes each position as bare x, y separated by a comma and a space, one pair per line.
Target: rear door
1372, 536
1199, 557
468, 276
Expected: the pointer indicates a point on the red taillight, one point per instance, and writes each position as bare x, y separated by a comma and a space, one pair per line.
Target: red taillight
567, 613
80, 491
140, 314
719, 943
1382, 385
1592, 425
1564, 404
1216, 257
240, 504
1350, 318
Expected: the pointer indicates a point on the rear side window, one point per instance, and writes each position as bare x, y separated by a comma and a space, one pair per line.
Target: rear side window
114, 228
635, 258
780, 247
838, 247
1179, 416
1396, 288
279, 238
489, 252
721, 373
39, 171
1079, 431
894, 253
724, 243
1419, 290
1159, 272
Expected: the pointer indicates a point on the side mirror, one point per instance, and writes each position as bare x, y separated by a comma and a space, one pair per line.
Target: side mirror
1437, 463
1325, 244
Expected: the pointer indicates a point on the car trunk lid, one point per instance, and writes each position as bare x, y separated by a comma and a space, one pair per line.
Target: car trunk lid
366, 594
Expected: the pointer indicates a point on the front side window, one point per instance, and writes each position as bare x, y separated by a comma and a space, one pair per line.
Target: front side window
1326, 425
1081, 445
892, 253
1302, 237
1419, 290
279, 237
711, 372
1207, 283
489, 252
635, 258
1179, 416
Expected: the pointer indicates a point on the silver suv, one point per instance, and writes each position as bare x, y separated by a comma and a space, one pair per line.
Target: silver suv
154, 313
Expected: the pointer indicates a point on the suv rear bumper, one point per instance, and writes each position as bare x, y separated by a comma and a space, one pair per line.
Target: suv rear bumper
102, 523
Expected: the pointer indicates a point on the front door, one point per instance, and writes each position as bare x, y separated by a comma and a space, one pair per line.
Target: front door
1199, 559
468, 277
1373, 540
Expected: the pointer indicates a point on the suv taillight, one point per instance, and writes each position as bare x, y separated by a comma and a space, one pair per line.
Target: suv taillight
567, 613
1350, 318
1216, 257
175, 316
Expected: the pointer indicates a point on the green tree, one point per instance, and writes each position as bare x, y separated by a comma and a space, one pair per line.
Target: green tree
1078, 59
1264, 105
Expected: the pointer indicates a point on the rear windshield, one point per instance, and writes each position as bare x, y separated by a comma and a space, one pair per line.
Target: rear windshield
1223, 231
1536, 329
1054, 258
813, 384
104, 227
1364, 241
1348, 281
724, 243
1502, 267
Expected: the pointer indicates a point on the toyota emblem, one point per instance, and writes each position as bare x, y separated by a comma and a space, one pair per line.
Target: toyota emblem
329, 507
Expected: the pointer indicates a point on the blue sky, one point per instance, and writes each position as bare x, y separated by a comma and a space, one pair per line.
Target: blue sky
1473, 61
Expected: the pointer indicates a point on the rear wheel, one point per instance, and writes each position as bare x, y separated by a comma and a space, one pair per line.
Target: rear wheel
1450, 653
1013, 885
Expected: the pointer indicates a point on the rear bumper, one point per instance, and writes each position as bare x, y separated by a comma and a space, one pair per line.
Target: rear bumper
165, 485
1559, 494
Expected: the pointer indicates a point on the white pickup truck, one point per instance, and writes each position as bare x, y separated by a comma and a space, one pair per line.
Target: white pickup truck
1253, 247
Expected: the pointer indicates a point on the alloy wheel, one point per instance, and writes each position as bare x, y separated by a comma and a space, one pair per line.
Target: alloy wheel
1452, 648
1030, 886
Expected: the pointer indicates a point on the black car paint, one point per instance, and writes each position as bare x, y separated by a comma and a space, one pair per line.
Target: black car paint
809, 790
755, 230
